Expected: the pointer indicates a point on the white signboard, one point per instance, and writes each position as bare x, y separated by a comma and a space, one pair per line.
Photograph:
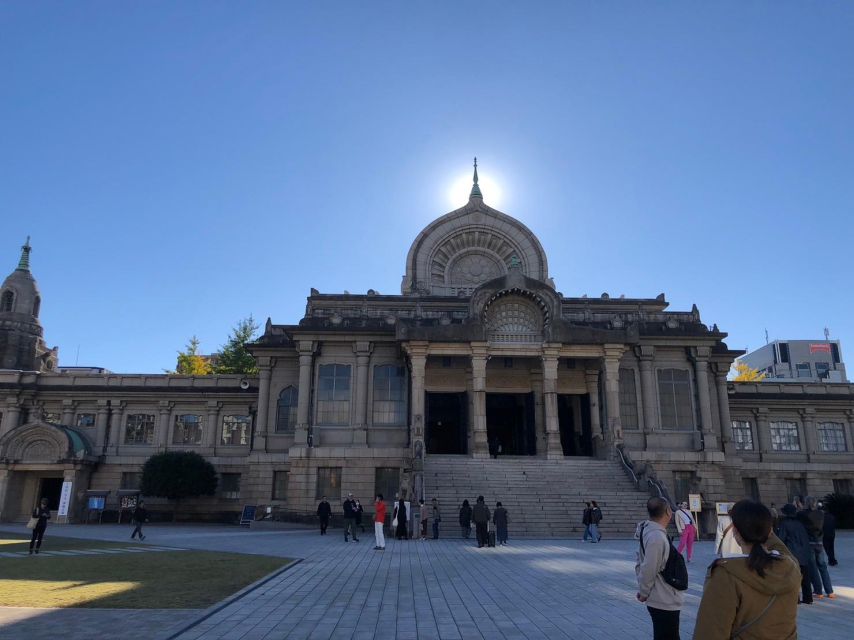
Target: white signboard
694, 503
64, 499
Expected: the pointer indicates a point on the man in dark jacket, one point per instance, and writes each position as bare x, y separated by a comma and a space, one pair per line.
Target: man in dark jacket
139, 517
481, 515
324, 510
793, 534
829, 537
585, 520
350, 518
813, 520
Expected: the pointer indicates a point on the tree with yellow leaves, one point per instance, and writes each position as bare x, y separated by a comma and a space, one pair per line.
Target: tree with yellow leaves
745, 373
191, 363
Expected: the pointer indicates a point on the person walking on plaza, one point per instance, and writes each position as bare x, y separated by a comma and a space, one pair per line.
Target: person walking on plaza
753, 597
350, 518
359, 510
465, 519
399, 517
499, 519
686, 527
138, 518
595, 519
324, 511
585, 520
663, 602
481, 515
828, 538
379, 523
793, 534
813, 520
437, 518
41, 515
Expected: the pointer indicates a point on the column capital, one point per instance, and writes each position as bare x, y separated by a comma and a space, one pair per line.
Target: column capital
808, 412
121, 404
214, 405
479, 350
416, 348
165, 406
306, 347
700, 354
645, 353
69, 403
614, 351
363, 349
265, 363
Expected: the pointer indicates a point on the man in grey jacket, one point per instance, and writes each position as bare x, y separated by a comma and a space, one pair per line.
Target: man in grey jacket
662, 601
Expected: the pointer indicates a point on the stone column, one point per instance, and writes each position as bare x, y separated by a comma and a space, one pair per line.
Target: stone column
478, 372
700, 356
646, 356
5, 478
262, 426
164, 423
306, 350
614, 432
721, 372
116, 423
101, 425
810, 445
212, 433
363, 359
763, 433
68, 413
12, 415
591, 379
550, 369
417, 352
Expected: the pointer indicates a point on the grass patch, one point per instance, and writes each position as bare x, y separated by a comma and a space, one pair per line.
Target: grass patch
14, 542
152, 580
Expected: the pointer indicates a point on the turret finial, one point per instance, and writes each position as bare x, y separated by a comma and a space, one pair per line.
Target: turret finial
24, 262
475, 189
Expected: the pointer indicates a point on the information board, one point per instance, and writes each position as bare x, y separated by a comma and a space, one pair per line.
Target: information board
248, 514
97, 502
694, 502
64, 499
129, 502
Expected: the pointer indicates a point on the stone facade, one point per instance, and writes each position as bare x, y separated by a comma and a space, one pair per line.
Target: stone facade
479, 354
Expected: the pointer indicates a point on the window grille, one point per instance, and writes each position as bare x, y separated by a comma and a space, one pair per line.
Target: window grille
389, 399
785, 437
286, 414
139, 429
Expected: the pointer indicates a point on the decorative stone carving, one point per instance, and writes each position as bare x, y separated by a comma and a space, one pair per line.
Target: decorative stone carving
473, 269
514, 319
40, 451
471, 256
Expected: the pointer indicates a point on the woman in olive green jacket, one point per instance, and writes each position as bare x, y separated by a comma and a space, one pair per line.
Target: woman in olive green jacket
753, 596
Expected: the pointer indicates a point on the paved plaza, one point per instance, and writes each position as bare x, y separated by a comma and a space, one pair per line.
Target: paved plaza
434, 589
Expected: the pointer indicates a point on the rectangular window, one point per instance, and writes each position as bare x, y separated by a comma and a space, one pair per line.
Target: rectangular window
831, 437
834, 350
784, 352
235, 430
85, 420
682, 481
280, 485
229, 485
842, 486
796, 487
328, 483
628, 399
389, 395
751, 488
130, 480
188, 429
742, 435
387, 482
822, 369
804, 370
139, 428
784, 436
333, 394
674, 399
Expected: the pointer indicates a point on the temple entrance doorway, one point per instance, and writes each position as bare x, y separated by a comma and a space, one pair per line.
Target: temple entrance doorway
510, 424
50, 488
573, 413
447, 431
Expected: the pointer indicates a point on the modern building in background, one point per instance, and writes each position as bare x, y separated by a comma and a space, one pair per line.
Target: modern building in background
799, 360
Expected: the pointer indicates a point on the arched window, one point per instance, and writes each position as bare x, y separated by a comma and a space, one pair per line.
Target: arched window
514, 319
37, 305
389, 395
7, 302
286, 416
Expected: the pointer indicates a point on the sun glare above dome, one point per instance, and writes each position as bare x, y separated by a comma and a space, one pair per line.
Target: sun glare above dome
460, 189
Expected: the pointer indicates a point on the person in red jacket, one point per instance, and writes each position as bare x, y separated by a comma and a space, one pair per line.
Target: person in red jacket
379, 522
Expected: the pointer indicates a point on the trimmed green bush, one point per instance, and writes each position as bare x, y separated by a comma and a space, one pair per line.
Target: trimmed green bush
178, 475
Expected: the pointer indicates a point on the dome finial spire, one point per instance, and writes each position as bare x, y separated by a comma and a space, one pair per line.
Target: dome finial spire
24, 262
475, 189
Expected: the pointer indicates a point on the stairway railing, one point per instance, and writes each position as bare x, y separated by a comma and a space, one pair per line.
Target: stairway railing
654, 486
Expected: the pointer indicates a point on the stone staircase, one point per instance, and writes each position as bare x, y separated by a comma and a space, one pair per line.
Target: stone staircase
544, 498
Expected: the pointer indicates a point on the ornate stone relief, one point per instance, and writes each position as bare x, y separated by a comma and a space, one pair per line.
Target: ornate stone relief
514, 319
471, 257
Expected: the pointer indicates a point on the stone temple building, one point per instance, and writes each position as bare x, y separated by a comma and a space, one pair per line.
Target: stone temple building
479, 354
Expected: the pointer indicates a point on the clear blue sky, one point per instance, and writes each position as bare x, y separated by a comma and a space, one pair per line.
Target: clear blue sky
182, 165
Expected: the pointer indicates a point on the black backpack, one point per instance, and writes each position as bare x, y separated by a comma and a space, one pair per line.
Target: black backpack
675, 573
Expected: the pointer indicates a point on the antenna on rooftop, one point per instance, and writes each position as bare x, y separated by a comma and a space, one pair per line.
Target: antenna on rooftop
766, 336
827, 334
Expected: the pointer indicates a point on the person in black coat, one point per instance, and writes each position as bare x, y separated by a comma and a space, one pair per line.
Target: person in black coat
42, 514
465, 519
350, 518
138, 518
324, 511
829, 537
359, 511
793, 534
401, 532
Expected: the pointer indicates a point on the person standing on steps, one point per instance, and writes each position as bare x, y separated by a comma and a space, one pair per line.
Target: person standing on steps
585, 520
481, 516
662, 601
465, 519
379, 523
793, 534
350, 518
687, 529
595, 519
324, 511
499, 518
139, 517
41, 515
437, 518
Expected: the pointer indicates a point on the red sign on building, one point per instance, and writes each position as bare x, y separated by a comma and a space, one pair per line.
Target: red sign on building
819, 348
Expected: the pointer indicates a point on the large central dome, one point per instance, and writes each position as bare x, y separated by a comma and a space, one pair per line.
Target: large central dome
463, 249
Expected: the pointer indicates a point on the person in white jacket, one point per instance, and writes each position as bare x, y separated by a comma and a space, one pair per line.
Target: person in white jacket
662, 601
